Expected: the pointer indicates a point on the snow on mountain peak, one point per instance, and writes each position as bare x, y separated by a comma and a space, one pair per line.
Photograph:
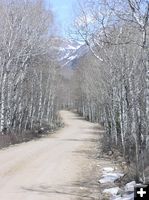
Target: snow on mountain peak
68, 51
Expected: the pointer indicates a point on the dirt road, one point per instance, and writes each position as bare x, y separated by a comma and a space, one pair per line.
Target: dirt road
61, 166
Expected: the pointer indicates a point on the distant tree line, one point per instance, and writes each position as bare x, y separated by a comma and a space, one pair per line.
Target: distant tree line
112, 80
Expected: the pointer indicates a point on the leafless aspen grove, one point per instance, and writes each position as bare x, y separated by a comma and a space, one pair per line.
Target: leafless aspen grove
28, 72
109, 84
112, 80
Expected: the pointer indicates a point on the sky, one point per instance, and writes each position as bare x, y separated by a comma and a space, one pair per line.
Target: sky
63, 10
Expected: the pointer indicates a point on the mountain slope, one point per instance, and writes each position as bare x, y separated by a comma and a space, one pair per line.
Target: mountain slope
67, 52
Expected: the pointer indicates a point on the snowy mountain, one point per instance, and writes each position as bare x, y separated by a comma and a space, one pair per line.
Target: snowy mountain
68, 51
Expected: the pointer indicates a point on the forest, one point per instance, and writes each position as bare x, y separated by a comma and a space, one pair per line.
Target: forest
29, 74
109, 84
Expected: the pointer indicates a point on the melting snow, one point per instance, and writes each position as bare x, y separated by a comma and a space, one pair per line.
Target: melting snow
108, 169
125, 197
112, 191
129, 187
110, 177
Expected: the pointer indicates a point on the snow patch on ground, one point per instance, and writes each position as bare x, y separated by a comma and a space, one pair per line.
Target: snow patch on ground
113, 191
108, 169
109, 176
129, 187
124, 197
